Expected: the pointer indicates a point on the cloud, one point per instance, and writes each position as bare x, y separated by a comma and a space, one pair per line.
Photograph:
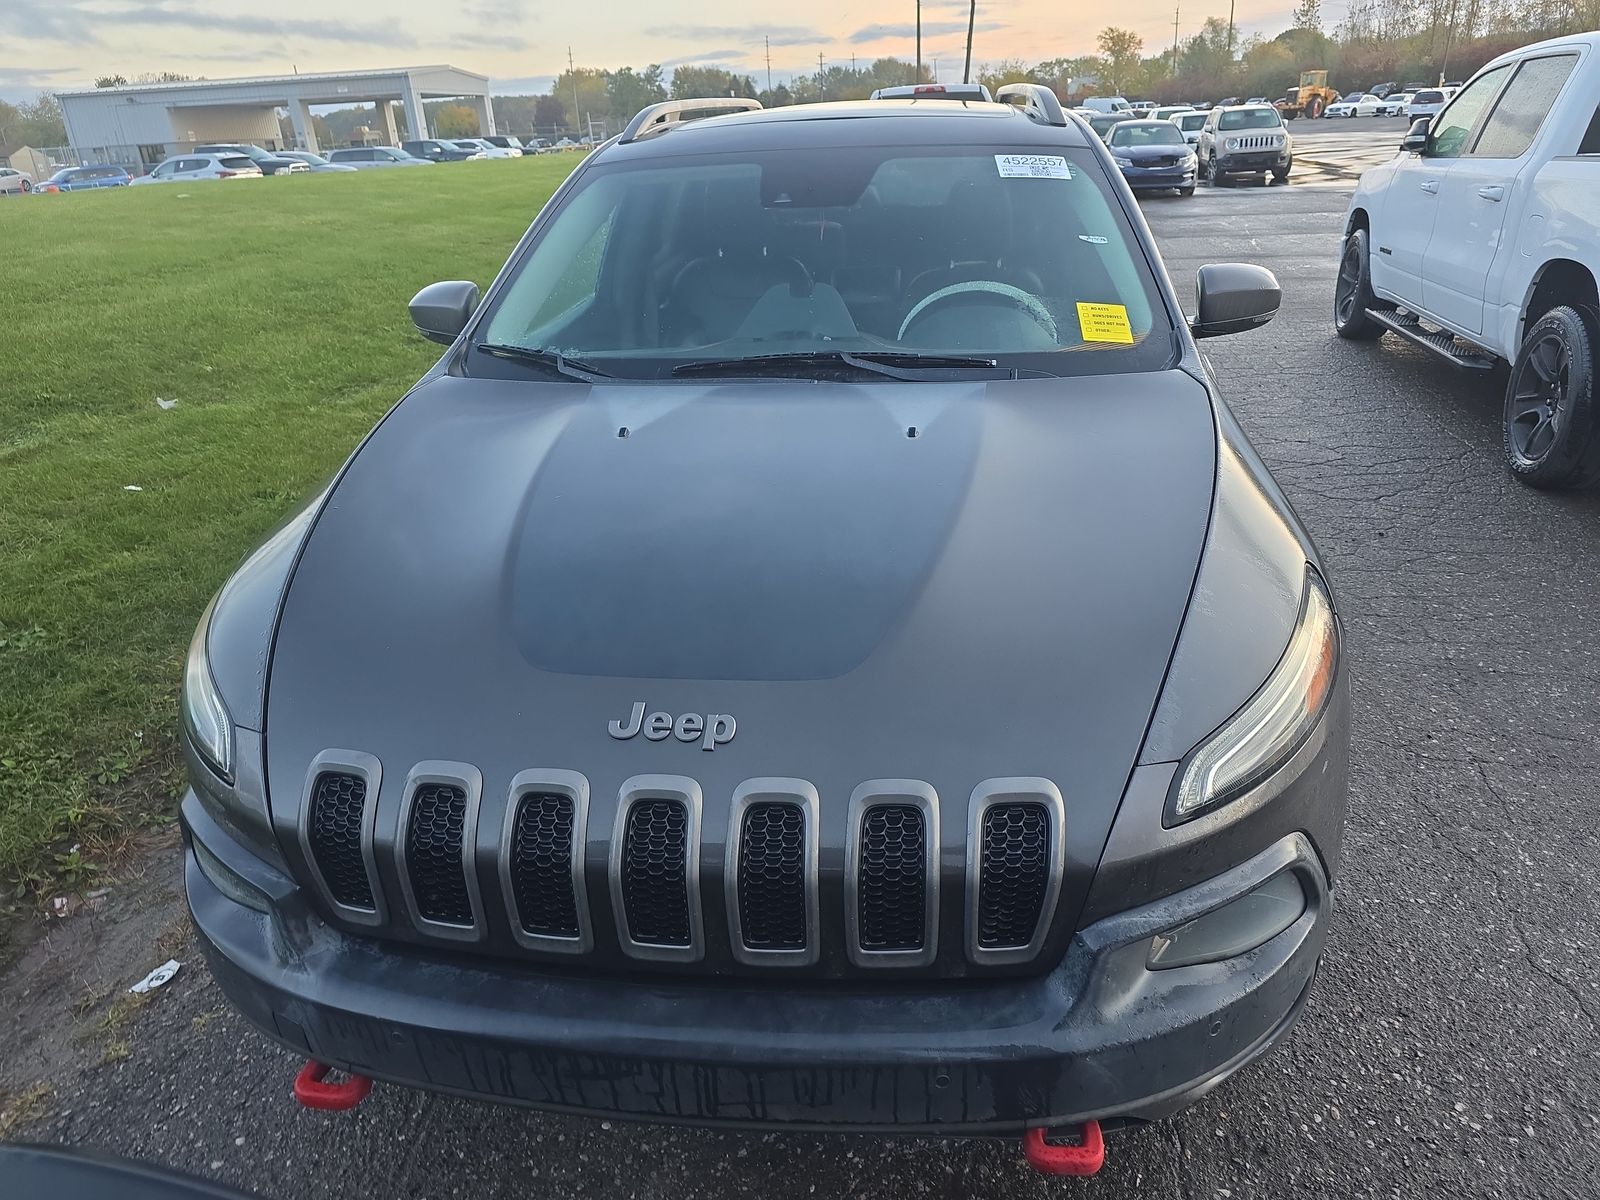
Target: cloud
780, 35
525, 85
69, 21
902, 30
733, 60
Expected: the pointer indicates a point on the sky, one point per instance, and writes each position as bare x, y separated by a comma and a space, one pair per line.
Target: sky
522, 44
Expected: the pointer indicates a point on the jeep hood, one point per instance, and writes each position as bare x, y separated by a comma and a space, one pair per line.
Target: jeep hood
942, 582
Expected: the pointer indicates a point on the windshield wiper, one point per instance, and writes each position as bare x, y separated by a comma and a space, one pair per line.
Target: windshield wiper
553, 360
891, 363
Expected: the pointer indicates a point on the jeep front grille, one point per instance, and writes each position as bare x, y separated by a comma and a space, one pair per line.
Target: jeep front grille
772, 877
434, 840
334, 825
891, 895
539, 854
655, 886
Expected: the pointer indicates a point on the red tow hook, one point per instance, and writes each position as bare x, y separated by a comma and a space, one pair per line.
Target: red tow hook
311, 1090
1085, 1157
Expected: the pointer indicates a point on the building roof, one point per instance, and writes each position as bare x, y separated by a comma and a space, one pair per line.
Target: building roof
312, 77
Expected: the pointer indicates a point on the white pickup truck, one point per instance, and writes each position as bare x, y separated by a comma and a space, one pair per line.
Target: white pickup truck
1481, 242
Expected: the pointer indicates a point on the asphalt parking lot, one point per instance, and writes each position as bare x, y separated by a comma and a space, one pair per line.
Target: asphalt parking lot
1450, 1047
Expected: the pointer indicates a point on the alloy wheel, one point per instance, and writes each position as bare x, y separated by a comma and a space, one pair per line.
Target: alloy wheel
1539, 396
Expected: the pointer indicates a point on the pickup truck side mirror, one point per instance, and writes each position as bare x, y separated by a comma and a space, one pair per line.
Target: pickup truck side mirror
441, 311
1416, 139
1234, 297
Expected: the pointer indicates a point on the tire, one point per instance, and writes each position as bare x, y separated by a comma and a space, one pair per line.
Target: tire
1352, 292
1551, 428
1186, 191
1281, 174
1314, 108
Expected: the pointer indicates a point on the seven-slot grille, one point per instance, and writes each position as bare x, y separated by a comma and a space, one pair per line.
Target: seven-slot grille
541, 864
890, 892
892, 883
1013, 873
334, 825
772, 876
1257, 141
435, 835
655, 885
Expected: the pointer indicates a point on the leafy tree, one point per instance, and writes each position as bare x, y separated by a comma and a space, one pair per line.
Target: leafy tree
1121, 50
34, 123
691, 82
585, 89
111, 81
1012, 70
627, 91
1308, 15
549, 113
455, 121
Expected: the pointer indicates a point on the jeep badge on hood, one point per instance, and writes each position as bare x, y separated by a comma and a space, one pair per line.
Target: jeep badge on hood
712, 729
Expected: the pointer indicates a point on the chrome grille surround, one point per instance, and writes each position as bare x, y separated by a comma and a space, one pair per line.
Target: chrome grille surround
802, 795
875, 793
469, 779
1013, 790
366, 767
659, 787
576, 788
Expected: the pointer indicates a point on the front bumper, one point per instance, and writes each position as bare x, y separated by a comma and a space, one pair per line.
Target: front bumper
1099, 1037
1159, 177
1251, 160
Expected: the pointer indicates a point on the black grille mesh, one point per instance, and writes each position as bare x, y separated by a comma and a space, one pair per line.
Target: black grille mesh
772, 877
334, 825
891, 892
433, 853
1013, 874
541, 864
655, 892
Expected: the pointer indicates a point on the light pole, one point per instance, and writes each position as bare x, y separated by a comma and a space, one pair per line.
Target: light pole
918, 79
972, 18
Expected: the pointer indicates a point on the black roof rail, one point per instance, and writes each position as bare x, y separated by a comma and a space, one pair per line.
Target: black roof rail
669, 112
1038, 101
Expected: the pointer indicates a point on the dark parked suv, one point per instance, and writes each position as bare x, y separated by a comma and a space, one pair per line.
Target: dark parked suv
814, 652
436, 150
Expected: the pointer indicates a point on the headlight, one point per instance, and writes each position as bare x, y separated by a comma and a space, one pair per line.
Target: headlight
1232, 144
1266, 732
204, 715
1120, 161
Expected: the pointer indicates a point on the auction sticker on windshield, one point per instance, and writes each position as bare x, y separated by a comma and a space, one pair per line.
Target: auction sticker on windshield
1105, 323
1032, 166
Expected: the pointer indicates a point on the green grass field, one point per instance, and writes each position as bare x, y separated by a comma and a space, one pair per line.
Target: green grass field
274, 313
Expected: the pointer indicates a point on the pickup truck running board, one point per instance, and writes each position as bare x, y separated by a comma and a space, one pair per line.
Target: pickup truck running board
1446, 345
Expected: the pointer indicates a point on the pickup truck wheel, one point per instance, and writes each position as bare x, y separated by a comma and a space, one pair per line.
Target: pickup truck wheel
1552, 435
1352, 292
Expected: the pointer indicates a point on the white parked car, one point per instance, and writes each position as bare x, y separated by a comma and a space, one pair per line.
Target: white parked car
1168, 111
14, 182
1428, 101
1365, 105
490, 150
1191, 121
1481, 243
1395, 104
196, 168
366, 158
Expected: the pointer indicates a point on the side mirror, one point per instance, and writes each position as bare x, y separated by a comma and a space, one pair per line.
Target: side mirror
1416, 139
441, 311
1234, 297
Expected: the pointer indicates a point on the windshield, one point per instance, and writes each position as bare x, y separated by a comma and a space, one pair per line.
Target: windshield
1025, 257
1192, 122
1250, 118
1160, 133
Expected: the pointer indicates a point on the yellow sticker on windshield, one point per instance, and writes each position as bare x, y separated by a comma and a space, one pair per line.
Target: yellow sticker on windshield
1105, 323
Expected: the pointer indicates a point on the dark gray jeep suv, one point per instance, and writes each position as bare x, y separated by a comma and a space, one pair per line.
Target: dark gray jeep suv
815, 652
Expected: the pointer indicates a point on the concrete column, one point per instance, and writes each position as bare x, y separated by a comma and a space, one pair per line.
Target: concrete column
305, 132
391, 136
416, 115
485, 115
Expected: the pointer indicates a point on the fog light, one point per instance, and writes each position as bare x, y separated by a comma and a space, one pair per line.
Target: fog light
1238, 926
227, 881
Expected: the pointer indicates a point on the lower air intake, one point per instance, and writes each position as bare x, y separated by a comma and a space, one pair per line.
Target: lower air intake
434, 834
541, 865
334, 825
772, 877
891, 893
655, 882
1014, 874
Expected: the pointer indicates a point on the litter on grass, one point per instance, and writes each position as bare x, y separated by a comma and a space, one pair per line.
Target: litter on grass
132, 487
160, 403
157, 978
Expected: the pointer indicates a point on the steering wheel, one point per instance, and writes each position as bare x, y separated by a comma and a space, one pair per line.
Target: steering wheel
1005, 292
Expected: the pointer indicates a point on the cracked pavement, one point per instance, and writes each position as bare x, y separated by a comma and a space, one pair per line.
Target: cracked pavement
1449, 1047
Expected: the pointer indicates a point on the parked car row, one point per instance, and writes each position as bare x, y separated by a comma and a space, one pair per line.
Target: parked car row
1174, 148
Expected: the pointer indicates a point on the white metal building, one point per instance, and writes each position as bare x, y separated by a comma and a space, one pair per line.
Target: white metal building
146, 122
